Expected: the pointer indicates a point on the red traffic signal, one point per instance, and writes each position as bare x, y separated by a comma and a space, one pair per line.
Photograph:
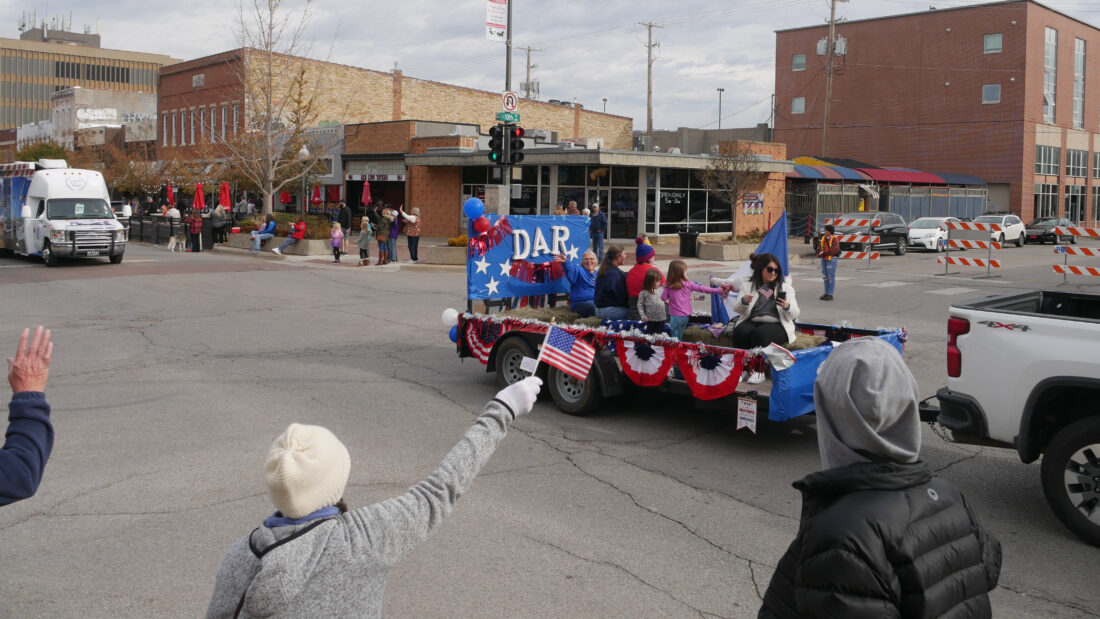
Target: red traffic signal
517, 132
515, 150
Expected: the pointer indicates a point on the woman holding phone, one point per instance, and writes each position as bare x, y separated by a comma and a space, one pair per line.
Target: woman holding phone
767, 308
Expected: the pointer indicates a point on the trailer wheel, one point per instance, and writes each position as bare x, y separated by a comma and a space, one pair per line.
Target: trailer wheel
48, 256
1071, 478
116, 259
574, 397
509, 356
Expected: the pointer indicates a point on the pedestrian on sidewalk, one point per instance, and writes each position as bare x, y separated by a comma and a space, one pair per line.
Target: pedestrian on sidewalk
343, 217
395, 229
381, 225
828, 249
217, 224
597, 229
30, 434
264, 232
337, 235
297, 232
412, 232
315, 558
194, 230
880, 536
365, 236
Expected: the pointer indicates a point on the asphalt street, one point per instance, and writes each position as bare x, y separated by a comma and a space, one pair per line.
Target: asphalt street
173, 373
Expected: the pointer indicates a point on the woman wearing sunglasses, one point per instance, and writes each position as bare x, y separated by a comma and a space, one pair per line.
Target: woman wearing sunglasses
767, 308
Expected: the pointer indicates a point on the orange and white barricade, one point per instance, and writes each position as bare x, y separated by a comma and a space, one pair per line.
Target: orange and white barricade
954, 228
1067, 269
860, 239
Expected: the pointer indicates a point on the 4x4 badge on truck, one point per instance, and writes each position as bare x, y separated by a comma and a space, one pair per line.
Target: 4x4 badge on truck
1003, 325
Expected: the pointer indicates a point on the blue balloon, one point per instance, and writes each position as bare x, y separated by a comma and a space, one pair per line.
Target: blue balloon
473, 208
454, 333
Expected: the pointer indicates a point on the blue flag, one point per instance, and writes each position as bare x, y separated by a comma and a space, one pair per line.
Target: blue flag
775, 243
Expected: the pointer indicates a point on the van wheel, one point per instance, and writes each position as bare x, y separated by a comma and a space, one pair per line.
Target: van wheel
116, 259
574, 397
48, 256
1071, 478
509, 356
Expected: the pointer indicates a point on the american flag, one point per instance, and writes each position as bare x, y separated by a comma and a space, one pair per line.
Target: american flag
567, 353
766, 292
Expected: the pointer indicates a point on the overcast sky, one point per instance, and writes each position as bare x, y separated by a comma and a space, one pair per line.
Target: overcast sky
591, 49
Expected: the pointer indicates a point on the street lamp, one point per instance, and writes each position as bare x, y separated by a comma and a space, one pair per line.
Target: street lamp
303, 154
605, 105
720, 91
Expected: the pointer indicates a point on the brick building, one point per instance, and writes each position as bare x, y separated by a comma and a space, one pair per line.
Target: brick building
997, 90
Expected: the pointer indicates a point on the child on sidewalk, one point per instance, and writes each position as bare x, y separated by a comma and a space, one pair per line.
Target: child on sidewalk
365, 234
337, 241
650, 306
677, 292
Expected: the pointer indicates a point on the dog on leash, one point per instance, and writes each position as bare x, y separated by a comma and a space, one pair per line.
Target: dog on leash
178, 240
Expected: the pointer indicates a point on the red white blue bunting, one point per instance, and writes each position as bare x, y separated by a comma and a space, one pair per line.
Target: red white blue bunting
647, 365
711, 373
480, 337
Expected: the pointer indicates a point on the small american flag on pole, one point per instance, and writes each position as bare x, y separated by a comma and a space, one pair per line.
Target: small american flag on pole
567, 353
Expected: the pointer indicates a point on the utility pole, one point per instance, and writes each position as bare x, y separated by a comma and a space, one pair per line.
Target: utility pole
508, 51
527, 84
506, 171
720, 91
831, 45
649, 84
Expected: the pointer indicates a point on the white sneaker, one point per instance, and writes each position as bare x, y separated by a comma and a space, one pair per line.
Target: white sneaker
756, 378
277, 252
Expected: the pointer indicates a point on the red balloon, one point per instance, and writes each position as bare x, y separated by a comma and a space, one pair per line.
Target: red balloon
482, 224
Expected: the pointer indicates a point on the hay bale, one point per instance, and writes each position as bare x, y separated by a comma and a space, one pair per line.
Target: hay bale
559, 314
803, 341
702, 335
591, 322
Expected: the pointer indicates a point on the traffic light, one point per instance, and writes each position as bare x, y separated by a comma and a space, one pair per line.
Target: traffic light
515, 139
496, 144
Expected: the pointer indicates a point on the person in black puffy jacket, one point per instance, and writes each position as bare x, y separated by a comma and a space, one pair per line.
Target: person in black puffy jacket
879, 535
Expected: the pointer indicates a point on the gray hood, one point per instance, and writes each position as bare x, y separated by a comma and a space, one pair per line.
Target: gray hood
866, 401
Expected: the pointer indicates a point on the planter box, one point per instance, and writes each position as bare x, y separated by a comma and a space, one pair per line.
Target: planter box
442, 254
305, 247
735, 253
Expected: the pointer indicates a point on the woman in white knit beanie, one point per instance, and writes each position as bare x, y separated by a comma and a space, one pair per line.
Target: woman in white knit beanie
315, 558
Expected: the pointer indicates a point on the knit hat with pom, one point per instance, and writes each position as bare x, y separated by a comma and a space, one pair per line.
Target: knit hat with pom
644, 251
307, 468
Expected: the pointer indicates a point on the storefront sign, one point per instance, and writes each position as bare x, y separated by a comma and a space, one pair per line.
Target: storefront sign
752, 204
375, 177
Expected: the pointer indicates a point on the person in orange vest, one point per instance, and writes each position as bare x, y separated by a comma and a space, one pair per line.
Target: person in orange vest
828, 249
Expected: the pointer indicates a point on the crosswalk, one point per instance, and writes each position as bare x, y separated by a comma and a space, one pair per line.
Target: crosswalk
807, 272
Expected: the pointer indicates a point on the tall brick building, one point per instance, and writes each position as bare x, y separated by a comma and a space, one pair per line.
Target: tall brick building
997, 90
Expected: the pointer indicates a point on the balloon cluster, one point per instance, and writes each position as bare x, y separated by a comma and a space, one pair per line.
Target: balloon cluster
450, 319
474, 209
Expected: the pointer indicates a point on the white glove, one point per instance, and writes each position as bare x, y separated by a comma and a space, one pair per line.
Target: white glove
520, 396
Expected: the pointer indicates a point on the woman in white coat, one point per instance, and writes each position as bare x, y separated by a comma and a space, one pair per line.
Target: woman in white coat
767, 308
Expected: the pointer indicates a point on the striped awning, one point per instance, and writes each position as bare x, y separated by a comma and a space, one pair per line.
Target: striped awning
902, 175
961, 179
832, 173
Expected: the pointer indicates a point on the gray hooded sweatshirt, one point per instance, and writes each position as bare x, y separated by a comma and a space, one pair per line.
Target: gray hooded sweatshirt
866, 401
337, 567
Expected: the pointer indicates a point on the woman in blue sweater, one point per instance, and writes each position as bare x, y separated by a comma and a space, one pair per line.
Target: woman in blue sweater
582, 283
611, 299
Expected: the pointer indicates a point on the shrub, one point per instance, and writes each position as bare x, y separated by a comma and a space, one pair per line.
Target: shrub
458, 241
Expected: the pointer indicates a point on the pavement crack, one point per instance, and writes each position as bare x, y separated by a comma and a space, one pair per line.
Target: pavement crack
1085, 610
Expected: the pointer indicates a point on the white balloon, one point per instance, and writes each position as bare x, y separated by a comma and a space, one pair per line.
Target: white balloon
450, 317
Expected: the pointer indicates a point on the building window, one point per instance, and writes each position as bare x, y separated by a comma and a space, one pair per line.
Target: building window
213, 124
993, 43
1095, 201
202, 123
173, 129
1077, 163
164, 130
1096, 165
236, 120
798, 105
991, 93
191, 116
1075, 203
1047, 159
224, 108
1050, 73
1046, 200
1079, 83
798, 62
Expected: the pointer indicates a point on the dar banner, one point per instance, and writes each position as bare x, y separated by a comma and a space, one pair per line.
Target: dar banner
514, 256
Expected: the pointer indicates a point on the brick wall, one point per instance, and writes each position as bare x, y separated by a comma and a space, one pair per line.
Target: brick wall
392, 137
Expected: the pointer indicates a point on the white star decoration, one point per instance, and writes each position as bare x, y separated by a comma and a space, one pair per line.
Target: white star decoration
493, 283
482, 264
572, 253
504, 268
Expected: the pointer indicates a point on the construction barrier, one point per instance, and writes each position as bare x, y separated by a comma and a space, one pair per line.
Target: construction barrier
856, 238
981, 242
1067, 269
859, 255
853, 222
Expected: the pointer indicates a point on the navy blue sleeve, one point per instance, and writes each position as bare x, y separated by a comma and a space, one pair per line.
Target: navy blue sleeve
27, 446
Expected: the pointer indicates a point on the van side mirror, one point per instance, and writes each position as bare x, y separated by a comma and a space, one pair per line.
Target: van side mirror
26, 212
126, 210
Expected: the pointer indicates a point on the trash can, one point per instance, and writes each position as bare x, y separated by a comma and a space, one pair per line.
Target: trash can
688, 237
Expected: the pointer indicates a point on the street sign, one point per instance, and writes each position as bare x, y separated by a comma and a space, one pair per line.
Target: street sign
509, 102
508, 117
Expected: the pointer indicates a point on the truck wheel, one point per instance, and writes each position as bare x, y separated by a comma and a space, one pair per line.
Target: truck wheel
902, 245
48, 256
574, 397
509, 356
1071, 478
116, 259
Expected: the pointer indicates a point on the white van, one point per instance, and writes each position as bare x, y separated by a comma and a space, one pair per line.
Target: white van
48, 209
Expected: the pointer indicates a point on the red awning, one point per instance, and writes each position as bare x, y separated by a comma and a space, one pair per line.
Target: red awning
902, 175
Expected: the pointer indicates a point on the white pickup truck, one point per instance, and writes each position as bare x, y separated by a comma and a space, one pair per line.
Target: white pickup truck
1023, 371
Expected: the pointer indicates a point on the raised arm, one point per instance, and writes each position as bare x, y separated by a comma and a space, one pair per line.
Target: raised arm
392, 528
29, 438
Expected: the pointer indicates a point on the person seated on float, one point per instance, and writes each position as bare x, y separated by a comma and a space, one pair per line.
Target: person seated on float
767, 308
611, 296
582, 283
635, 277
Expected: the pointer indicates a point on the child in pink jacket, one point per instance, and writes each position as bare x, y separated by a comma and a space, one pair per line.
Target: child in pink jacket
677, 292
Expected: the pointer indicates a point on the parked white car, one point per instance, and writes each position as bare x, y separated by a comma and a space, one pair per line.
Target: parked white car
1012, 227
929, 233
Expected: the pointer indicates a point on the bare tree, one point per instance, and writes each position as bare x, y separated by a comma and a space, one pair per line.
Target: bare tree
733, 172
280, 89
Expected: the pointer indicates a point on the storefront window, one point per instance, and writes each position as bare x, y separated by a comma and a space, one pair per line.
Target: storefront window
697, 209
527, 203
571, 175
671, 177
474, 175
576, 194
674, 209
599, 176
624, 213
624, 176
718, 214
650, 211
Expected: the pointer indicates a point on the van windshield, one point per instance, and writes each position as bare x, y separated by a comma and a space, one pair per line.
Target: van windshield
78, 208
